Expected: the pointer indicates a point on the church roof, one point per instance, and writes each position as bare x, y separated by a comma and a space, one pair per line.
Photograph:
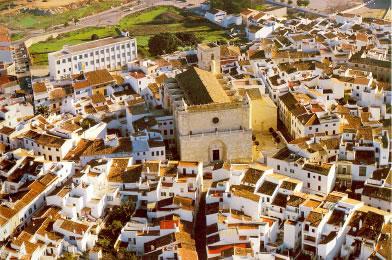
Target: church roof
201, 87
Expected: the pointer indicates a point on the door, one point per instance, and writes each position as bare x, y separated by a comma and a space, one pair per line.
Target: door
215, 155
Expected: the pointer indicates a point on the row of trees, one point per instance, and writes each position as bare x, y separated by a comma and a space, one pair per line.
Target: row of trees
169, 42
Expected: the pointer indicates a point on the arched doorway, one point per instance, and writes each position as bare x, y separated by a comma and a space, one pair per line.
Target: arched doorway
217, 151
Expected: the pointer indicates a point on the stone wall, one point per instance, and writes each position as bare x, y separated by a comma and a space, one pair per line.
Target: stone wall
232, 145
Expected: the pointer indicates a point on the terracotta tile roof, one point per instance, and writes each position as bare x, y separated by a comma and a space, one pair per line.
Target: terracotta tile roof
244, 192
322, 169
50, 141
252, 176
201, 87
5, 130
98, 147
72, 226
120, 171
267, 188
39, 87
93, 78
98, 98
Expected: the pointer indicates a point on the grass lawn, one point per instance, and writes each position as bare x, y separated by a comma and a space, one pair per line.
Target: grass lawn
17, 36
33, 21
169, 19
142, 25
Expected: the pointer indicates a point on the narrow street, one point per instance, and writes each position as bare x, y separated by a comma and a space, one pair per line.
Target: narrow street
200, 231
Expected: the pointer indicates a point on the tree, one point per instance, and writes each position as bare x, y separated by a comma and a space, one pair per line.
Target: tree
94, 37
163, 43
187, 38
271, 130
116, 226
118, 31
76, 20
87, 123
66, 24
128, 207
303, 2
68, 256
290, 2
43, 110
104, 242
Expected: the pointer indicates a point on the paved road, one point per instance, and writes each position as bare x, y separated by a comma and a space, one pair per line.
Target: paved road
111, 16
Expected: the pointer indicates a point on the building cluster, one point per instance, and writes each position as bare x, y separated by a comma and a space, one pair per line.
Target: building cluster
274, 149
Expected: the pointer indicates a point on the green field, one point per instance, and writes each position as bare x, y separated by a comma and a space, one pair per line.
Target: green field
24, 21
17, 36
142, 25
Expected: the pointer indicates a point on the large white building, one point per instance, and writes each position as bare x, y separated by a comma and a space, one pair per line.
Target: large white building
108, 53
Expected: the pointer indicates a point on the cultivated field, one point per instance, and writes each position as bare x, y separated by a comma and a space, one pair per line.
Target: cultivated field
141, 25
38, 14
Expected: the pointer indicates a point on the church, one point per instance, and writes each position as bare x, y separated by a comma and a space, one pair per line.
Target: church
212, 120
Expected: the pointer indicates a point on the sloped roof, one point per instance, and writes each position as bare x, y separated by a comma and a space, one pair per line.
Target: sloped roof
201, 87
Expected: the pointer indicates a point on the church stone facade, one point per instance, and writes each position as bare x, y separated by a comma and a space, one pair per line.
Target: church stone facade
212, 121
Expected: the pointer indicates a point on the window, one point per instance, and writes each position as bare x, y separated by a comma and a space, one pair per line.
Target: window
278, 167
162, 152
152, 153
308, 185
80, 56
319, 188
362, 171
319, 178
308, 174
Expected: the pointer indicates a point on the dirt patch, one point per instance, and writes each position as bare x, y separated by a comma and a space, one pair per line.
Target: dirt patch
379, 9
44, 7
331, 6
